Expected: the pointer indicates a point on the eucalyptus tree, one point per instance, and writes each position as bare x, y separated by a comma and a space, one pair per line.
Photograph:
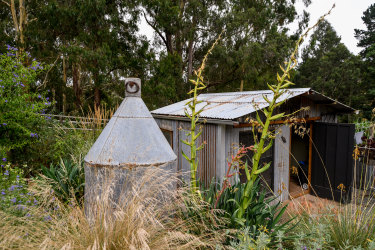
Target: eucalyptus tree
255, 39
94, 40
89, 43
181, 28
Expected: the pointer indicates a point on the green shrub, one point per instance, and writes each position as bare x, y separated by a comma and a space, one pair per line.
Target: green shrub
56, 140
67, 179
261, 215
20, 107
348, 227
14, 197
246, 242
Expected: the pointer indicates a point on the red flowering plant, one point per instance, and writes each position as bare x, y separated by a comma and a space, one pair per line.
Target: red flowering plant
234, 167
20, 105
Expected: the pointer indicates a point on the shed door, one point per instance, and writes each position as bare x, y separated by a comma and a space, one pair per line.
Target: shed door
332, 160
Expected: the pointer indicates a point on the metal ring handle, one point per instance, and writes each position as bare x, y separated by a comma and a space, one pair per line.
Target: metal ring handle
131, 83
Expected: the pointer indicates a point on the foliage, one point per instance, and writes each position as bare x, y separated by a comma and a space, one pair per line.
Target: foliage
61, 139
261, 215
331, 69
67, 179
14, 197
254, 40
90, 45
345, 228
20, 105
246, 242
367, 147
366, 40
364, 125
148, 221
156, 92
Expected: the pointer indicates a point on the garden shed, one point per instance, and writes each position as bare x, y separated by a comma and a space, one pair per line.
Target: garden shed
298, 162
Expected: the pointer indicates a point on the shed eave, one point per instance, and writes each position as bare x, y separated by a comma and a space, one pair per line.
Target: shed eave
202, 119
340, 107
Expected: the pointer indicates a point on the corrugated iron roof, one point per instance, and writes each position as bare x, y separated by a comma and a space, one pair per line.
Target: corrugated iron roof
233, 105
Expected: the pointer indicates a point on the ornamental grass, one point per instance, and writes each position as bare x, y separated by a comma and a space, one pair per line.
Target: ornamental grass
147, 220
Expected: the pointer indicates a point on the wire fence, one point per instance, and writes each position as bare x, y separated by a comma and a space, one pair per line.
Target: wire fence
68, 122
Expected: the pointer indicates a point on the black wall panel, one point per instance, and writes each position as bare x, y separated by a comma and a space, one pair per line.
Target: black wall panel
332, 160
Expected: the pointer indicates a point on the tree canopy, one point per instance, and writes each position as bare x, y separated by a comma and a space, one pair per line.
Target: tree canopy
366, 40
330, 68
91, 45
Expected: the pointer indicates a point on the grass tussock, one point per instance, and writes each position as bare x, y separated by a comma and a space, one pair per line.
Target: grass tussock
331, 225
146, 220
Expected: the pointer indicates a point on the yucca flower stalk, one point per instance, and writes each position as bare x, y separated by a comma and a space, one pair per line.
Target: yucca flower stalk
193, 114
260, 146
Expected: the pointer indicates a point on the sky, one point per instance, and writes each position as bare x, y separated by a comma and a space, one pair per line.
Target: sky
345, 17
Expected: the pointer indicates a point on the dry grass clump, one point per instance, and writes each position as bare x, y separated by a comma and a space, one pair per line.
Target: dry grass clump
152, 217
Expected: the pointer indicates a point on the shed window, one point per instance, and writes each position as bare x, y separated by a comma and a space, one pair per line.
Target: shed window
168, 135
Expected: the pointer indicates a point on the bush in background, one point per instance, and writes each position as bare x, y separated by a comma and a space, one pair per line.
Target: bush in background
14, 197
54, 144
20, 108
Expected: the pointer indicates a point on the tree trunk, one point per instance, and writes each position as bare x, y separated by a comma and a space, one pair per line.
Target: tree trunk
54, 98
63, 89
169, 43
19, 24
190, 58
77, 85
64, 104
96, 97
191, 50
179, 36
242, 81
22, 14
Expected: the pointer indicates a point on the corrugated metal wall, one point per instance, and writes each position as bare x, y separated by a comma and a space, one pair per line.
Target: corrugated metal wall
206, 157
183, 164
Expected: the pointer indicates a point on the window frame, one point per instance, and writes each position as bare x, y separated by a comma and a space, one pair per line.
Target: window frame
163, 130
